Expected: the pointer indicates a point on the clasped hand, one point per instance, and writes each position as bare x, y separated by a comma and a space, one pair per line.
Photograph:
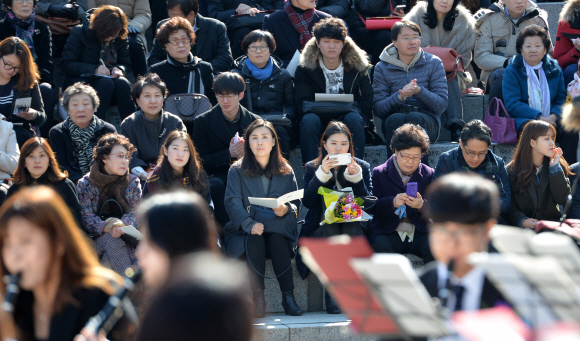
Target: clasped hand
237, 148
409, 90
402, 199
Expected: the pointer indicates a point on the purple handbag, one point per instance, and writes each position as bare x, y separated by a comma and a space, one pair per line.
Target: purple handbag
503, 129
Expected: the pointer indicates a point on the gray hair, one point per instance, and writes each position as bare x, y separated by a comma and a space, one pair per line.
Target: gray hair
80, 88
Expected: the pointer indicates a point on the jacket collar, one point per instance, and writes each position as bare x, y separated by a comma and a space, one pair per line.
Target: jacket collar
254, 185
240, 66
218, 123
531, 11
390, 55
201, 35
549, 65
352, 56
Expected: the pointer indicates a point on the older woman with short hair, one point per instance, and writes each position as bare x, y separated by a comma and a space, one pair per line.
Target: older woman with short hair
398, 224
74, 139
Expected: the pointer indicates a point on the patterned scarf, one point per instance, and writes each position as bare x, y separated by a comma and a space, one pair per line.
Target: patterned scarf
192, 66
82, 140
300, 22
110, 187
538, 89
24, 29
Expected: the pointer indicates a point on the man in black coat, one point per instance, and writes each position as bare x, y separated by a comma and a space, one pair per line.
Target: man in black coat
286, 36
336, 8
218, 136
462, 208
211, 44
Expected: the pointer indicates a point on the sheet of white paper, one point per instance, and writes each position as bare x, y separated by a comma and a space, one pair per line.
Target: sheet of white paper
276, 202
22, 105
132, 231
333, 97
291, 68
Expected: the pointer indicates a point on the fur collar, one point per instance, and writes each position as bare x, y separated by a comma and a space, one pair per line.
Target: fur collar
353, 56
571, 7
390, 55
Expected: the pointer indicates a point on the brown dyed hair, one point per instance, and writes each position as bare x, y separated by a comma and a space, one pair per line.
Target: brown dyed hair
334, 127
277, 164
22, 175
173, 25
109, 21
522, 163
80, 267
28, 75
408, 136
198, 179
106, 145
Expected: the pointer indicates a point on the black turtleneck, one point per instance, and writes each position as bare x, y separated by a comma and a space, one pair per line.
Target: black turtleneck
298, 10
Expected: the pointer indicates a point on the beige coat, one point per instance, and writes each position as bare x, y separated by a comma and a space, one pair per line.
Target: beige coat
138, 12
497, 34
9, 152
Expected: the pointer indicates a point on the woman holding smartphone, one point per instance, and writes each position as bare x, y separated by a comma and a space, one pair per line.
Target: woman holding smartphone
261, 173
324, 171
398, 225
538, 176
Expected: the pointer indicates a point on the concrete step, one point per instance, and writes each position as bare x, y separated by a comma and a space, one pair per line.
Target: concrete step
310, 326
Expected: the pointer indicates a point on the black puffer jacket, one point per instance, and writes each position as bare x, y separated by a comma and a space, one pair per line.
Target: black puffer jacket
82, 51
271, 95
42, 46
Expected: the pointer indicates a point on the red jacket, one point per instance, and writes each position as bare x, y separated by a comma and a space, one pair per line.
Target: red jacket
564, 50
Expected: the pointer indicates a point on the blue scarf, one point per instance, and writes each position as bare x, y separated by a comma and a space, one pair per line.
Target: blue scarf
260, 74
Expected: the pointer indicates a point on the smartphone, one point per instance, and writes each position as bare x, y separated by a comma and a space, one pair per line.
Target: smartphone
412, 189
343, 159
399, 8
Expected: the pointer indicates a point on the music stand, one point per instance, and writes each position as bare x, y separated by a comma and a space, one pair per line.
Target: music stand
328, 258
394, 282
538, 287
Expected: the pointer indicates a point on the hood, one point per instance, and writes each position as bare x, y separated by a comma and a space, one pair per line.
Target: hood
532, 9
570, 10
390, 55
352, 56
240, 65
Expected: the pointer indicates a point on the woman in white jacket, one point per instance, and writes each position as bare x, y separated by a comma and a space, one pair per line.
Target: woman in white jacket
9, 156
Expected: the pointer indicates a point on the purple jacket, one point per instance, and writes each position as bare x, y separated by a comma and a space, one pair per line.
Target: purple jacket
386, 185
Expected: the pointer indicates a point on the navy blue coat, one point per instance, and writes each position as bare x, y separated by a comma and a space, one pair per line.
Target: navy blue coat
315, 202
448, 164
387, 184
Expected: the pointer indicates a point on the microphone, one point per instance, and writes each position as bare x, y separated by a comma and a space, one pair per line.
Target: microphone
446, 290
112, 311
12, 291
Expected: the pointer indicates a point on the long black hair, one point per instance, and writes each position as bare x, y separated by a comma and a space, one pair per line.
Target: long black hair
449, 19
277, 164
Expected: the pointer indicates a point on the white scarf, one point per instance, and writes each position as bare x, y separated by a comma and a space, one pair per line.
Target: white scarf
538, 89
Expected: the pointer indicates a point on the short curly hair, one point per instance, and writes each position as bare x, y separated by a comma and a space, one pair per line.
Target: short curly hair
109, 21
533, 31
106, 145
172, 26
408, 136
80, 88
332, 28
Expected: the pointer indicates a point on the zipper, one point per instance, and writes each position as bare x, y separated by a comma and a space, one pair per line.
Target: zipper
353, 81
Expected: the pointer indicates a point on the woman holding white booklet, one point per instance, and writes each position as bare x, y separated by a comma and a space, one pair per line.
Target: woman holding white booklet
257, 231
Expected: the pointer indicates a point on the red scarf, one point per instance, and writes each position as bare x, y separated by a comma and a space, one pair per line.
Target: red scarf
300, 22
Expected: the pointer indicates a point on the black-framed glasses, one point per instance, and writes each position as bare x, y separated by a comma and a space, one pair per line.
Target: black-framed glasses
9, 67
474, 154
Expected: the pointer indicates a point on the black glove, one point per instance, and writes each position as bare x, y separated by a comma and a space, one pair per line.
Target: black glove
60, 11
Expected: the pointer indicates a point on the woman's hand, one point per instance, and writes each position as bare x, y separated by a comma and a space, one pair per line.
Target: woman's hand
87, 335
113, 227
102, 71
530, 223
258, 229
556, 158
281, 210
143, 176
29, 115
400, 200
415, 203
398, 12
327, 163
550, 119
116, 72
353, 167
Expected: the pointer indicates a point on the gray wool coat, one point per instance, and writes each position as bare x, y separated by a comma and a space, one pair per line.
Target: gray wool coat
238, 190
391, 75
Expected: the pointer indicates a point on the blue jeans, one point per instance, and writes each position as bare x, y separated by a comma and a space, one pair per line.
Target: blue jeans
311, 129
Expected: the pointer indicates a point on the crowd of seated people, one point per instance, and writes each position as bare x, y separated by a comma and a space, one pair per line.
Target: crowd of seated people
240, 148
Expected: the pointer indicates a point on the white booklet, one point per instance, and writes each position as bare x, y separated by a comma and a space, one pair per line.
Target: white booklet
132, 231
291, 68
333, 97
276, 202
22, 105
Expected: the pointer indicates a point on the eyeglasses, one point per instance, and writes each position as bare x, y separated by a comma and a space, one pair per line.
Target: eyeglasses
9, 67
408, 158
474, 154
176, 41
228, 97
121, 156
443, 234
254, 48
409, 39
24, 1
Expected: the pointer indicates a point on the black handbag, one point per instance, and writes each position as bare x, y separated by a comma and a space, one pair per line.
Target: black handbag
328, 110
245, 20
187, 106
129, 240
276, 120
